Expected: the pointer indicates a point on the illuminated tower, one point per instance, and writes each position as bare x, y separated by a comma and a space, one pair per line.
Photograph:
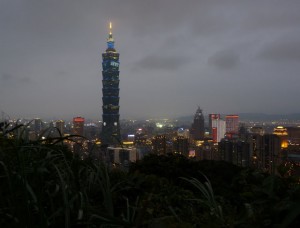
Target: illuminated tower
110, 81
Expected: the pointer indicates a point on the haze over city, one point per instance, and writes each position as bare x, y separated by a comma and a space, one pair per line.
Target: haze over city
226, 56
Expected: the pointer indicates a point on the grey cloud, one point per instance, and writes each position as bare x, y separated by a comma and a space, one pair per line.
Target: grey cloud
281, 50
13, 79
208, 27
25, 80
161, 62
284, 15
52, 49
6, 77
158, 16
224, 60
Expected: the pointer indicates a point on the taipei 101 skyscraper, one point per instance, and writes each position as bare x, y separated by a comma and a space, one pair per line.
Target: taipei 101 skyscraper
110, 134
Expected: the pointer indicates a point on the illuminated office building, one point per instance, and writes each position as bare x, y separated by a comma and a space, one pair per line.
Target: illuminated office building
78, 126
218, 127
238, 152
283, 135
110, 134
266, 150
212, 117
60, 125
232, 124
159, 144
181, 145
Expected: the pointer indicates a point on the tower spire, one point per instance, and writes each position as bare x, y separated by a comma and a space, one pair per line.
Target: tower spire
110, 36
110, 40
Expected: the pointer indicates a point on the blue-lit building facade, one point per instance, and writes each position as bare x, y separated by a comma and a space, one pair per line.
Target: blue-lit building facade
110, 134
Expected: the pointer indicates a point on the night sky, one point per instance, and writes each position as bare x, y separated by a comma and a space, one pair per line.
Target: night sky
224, 56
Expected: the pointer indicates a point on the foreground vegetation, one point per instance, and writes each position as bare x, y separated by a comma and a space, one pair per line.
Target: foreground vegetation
42, 184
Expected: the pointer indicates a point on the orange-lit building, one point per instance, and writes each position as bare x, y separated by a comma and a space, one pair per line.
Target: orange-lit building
283, 135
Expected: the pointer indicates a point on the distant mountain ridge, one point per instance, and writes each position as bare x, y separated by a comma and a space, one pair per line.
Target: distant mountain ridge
253, 117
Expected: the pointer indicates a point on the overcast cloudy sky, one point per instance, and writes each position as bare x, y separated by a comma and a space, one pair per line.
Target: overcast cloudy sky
226, 56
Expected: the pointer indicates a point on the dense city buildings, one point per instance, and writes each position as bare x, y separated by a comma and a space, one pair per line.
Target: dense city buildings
257, 130
257, 144
183, 132
110, 134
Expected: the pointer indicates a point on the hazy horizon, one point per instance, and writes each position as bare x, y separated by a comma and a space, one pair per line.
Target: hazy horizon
224, 56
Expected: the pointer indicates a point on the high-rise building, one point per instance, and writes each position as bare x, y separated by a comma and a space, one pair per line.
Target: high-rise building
60, 125
198, 125
232, 124
294, 134
212, 117
37, 126
110, 134
181, 145
78, 126
218, 130
266, 151
283, 135
238, 152
159, 144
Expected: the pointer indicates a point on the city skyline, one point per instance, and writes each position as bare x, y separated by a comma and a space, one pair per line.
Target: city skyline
228, 57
